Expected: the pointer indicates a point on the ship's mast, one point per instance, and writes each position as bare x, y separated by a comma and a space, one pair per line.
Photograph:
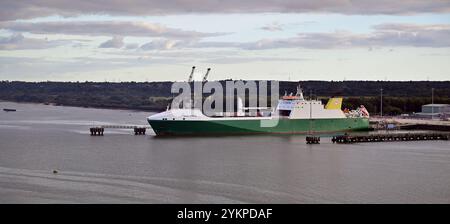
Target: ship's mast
299, 93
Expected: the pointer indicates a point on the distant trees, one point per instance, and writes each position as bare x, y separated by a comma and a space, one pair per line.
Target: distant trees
398, 97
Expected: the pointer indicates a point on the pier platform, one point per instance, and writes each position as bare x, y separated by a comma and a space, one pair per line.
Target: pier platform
138, 130
348, 139
397, 123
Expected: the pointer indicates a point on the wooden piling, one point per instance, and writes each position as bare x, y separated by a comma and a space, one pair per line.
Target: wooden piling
312, 140
97, 131
139, 131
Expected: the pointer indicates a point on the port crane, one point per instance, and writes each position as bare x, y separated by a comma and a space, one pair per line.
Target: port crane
191, 76
205, 78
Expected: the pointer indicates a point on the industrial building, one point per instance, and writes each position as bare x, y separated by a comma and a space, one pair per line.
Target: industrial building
434, 111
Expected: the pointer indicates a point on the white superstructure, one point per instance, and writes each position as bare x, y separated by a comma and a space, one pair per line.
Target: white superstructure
296, 107
289, 106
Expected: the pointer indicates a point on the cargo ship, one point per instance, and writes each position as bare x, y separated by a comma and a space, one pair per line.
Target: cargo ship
293, 115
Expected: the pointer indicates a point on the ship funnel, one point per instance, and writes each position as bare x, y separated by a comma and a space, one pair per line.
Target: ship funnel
205, 78
334, 103
192, 74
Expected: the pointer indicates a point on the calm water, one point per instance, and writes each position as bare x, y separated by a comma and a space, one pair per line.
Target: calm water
122, 168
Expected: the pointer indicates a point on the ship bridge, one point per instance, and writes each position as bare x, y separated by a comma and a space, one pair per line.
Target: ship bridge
296, 107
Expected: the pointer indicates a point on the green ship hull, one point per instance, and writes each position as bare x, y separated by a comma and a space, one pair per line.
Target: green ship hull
251, 126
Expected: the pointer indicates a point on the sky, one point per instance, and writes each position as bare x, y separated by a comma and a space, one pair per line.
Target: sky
160, 40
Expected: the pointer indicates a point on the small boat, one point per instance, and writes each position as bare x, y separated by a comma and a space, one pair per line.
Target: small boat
9, 110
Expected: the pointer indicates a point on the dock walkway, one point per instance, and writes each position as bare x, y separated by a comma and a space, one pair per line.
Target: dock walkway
138, 130
348, 139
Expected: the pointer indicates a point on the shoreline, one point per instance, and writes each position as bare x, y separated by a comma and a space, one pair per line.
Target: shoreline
87, 107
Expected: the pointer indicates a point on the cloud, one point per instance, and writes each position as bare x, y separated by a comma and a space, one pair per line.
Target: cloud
434, 35
241, 60
413, 35
383, 35
19, 42
115, 42
161, 44
12, 9
304, 40
20, 68
275, 26
104, 28
132, 46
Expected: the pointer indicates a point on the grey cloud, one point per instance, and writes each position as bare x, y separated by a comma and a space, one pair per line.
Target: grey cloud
12, 9
104, 28
185, 53
161, 44
19, 42
115, 42
305, 40
383, 35
237, 60
169, 44
36, 68
273, 27
132, 46
436, 35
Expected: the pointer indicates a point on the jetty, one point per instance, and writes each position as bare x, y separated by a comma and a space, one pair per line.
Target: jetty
348, 139
138, 130
398, 123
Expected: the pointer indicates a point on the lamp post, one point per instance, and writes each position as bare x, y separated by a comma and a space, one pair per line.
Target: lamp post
432, 103
310, 112
381, 102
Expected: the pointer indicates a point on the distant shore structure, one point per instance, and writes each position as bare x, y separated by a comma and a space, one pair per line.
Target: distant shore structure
431, 111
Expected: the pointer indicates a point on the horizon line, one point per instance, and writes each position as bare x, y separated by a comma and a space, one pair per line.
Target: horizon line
310, 80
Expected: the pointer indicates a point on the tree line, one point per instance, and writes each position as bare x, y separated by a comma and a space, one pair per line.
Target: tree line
398, 97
